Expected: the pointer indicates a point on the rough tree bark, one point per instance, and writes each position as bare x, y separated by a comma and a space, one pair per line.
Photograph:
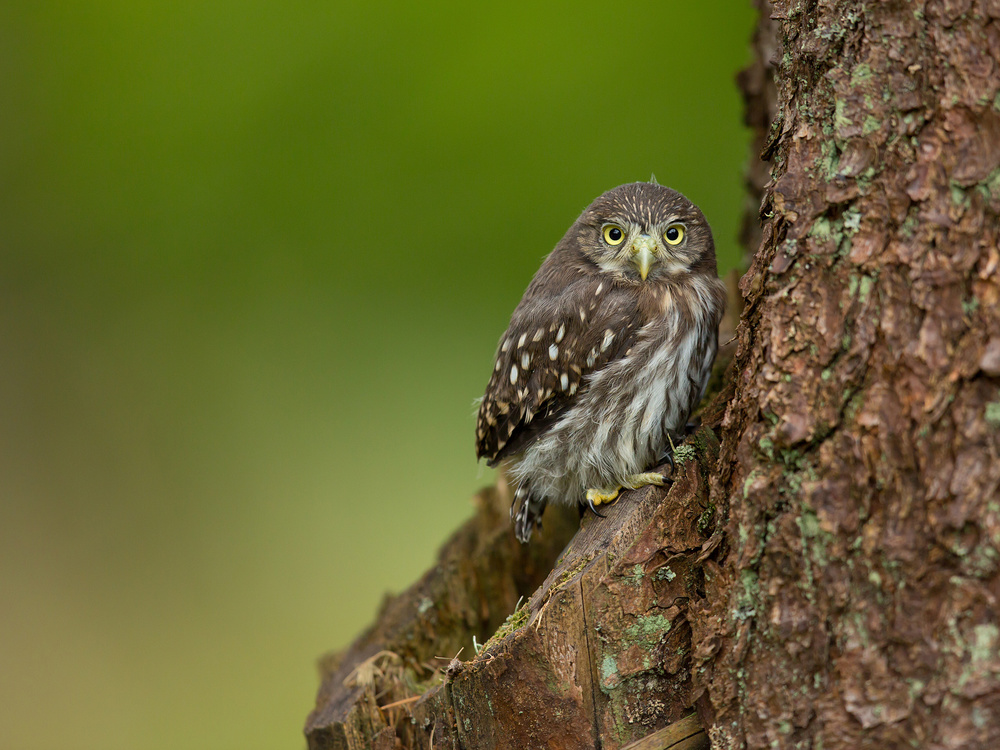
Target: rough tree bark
855, 602
825, 570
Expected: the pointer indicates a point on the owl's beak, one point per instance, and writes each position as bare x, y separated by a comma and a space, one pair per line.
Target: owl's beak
642, 254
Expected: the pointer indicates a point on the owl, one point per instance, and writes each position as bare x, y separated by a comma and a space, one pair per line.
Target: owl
606, 355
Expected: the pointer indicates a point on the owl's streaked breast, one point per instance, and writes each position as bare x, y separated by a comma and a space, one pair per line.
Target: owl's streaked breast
621, 423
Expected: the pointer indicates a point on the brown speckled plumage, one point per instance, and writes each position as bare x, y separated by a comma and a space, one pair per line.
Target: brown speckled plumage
599, 365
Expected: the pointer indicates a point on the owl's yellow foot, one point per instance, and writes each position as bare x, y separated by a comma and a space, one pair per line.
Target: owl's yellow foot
607, 495
602, 495
635, 481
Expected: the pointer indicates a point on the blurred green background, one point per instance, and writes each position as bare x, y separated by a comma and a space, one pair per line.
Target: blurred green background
254, 261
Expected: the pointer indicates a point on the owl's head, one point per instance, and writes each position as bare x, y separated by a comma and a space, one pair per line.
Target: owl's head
644, 231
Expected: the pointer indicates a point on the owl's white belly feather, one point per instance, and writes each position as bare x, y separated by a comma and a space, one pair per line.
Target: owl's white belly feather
621, 423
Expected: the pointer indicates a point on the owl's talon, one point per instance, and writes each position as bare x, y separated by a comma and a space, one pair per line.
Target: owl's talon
593, 508
602, 496
668, 457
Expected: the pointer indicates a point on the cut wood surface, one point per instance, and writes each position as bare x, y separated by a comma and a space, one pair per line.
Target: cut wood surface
686, 734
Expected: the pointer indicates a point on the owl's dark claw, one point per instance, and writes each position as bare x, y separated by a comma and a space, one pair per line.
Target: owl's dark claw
668, 457
593, 509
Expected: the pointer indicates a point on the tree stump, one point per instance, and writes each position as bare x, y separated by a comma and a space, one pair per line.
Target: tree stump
603, 644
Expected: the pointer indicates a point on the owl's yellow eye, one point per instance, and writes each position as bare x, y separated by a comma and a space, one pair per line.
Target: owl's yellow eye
613, 234
674, 234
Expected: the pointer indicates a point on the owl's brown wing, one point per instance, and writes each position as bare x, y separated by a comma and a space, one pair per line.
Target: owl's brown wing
554, 341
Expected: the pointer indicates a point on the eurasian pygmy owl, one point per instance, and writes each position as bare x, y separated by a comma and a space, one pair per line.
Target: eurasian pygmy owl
606, 355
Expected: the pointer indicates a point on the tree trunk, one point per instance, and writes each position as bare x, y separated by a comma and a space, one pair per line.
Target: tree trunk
855, 601
825, 570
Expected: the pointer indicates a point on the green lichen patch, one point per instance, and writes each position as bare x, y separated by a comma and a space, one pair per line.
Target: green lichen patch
982, 560
635, 577
870, 125
748, 482
852, 220
648, 630
860, 286
862, 73
705, 520
984, 645
664, 574
981, 666
828, 162
993, 414
808, 523
746, 601
684, 453
569, 574
823, 229
958, 195
766, 446
991, 185
514, 622
610, 678
840, 120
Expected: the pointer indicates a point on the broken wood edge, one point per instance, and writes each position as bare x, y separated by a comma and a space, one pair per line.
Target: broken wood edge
686, 734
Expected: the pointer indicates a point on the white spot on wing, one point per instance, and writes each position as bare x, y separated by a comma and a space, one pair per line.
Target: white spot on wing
538, 335
553, 352
564, 381
599, 288
505, 346
513, 374
561, 333
525, 360
520, 341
